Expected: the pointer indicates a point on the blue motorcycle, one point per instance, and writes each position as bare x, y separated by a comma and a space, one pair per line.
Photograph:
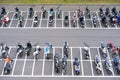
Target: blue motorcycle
48, 50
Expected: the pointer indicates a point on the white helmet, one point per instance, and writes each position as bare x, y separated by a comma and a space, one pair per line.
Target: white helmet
74, 14
86, 48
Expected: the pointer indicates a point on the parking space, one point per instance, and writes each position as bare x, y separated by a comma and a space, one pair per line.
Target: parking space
48, 67
28, 68
18, 68
44, 23
87, 68
59, 23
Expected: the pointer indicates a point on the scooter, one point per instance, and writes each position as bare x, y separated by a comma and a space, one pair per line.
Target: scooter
56, 63
64, 65
48, 50
36, 52
108, 65
20, 50
97, 65
86, 52
76, 66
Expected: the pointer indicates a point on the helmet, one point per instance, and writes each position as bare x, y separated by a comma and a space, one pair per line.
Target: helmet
37, 47
86, 48
74, 14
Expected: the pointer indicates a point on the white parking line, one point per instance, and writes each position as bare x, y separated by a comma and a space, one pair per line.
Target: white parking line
71, 62
84, 19
62, 20
18, 21
77, 20
5, 62
33, 19
15, 60
24, 65
40, 21
55, 20
110, 62
57, 76
99, 20
91, 20
100, 61
69, 20
43, 63
11, 20
26, 19
33, 67
48, 20
53, 62
91, 62
61, 59
81, 62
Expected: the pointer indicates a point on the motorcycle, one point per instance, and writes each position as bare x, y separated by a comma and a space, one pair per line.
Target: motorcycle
56, 63
110, 46
31, 12
64, 65
82, 22
101, 12
114, 11
113, 20
94, 21
28, 48
3, 11
36, 52
35, 22
66, 49
6, 20
116, 60
108, 65
88, 12
43, 12
48, 50
103, 50
86, 52
8, 67
118, 68
66, 21
51, 21
97, 65
58, 12
104, 21
118, 18
20, 50
17, 12
107, 13
74, 21
4, 50
76, 66
51, 13
21, 18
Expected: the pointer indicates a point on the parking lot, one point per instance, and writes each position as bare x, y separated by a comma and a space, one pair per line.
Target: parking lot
28, 66
58, 22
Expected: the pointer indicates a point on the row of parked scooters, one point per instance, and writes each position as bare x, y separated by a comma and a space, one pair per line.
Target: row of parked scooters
106, 16
22, 51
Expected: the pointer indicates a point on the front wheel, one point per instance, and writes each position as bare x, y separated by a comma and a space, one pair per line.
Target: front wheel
98, 71
64, 71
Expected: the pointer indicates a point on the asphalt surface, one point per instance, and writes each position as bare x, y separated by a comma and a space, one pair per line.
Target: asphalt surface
23, 68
